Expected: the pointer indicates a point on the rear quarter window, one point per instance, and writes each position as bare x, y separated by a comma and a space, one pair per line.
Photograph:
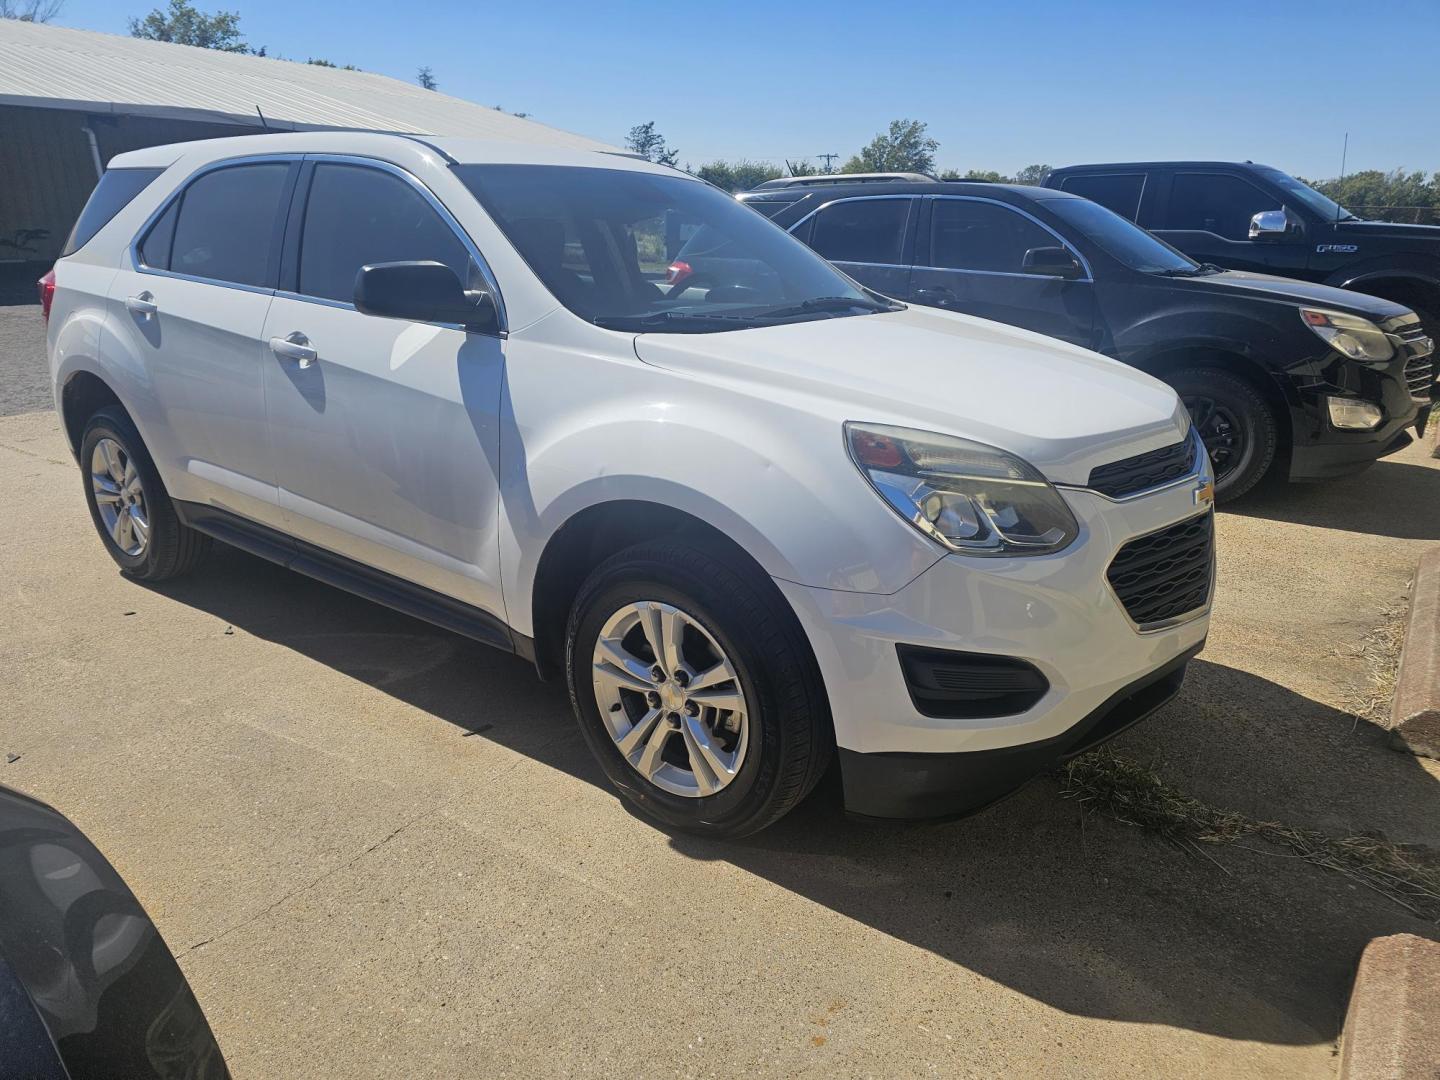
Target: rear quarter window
116, 190
1119, 192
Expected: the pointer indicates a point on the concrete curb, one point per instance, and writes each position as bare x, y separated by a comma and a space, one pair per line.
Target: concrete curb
1415, 714
1392, 1029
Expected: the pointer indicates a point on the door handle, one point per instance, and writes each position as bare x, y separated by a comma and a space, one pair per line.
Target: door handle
936, 293
295, 347
143, 305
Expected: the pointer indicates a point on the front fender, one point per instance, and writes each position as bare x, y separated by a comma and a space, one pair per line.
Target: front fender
1422, 269
580, 431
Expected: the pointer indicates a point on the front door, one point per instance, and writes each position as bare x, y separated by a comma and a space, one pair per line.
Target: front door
386, 431
190, 315
972, 252
1208, 218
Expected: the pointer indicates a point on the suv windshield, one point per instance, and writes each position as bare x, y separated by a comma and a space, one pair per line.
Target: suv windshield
1326, 207
1121, 239
631, 250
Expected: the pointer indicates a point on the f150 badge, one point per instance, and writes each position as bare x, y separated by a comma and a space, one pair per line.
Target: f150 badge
1336, 249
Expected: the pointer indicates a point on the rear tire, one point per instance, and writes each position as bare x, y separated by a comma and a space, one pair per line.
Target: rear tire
129, 505
765, 742
1236, 424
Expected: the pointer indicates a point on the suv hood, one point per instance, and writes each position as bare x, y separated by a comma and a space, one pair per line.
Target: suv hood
1269, 287
1061, 408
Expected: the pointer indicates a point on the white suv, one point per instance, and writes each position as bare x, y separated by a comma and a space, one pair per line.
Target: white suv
752, 516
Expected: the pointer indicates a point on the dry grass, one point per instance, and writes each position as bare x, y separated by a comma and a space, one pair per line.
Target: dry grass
1381, 653
1104, 782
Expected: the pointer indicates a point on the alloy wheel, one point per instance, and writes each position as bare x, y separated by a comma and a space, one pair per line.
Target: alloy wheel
120, 497
670, 699
1220, 430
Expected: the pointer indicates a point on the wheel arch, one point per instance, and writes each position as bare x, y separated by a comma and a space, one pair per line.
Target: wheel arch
1417, 291
82, 395
1270, 388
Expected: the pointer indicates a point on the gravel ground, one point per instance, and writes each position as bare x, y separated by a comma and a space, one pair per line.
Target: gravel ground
24, 378
379, 849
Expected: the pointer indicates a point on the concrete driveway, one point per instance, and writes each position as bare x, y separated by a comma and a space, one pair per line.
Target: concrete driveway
381, 850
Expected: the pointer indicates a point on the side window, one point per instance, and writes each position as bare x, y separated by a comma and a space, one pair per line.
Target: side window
970, 235
1119, 192
356, 216
226, 225
155, 248
862, 230
1217, 203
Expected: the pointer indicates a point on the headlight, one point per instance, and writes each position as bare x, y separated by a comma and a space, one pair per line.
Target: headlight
1357, 338
972, 498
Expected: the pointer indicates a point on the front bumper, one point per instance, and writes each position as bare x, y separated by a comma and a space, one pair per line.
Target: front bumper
1057, 613
912, 786
1342, 453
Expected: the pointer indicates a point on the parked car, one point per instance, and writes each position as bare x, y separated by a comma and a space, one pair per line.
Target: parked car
88, 987
1253, 217
749, 522
1314, 381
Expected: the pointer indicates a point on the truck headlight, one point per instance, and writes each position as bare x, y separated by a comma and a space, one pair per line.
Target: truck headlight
972, 498
1357, 338
1351, 414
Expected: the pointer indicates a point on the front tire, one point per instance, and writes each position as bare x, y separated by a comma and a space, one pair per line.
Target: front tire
695, 688
1234, 422
129, 505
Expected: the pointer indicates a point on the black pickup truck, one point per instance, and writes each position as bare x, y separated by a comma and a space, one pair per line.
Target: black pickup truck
1245, 216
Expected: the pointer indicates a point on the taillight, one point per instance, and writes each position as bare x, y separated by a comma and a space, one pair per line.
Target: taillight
46, 286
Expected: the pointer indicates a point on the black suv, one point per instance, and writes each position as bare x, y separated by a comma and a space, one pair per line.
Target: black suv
1323, 381
1252, 217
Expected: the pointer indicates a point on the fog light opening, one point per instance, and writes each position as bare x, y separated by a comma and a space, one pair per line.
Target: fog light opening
1348, 414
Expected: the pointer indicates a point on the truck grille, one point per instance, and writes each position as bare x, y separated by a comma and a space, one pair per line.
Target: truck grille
1143, 471
1165, 574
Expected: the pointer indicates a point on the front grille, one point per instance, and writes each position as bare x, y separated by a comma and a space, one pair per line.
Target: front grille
945, 683
1166, 574
1143, 471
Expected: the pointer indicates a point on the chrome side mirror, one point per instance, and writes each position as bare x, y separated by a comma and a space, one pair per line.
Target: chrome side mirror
1274, 225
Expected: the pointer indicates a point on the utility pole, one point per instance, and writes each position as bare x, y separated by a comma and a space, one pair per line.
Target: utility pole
827, 158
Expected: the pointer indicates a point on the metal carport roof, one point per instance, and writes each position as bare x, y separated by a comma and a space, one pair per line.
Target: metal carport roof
54, 67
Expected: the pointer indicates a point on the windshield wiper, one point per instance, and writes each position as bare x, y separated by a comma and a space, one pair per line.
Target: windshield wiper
667, 320
1199, 270
826, 303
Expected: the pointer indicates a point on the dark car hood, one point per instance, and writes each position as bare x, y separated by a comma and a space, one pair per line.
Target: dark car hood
1426, 234
1288, 290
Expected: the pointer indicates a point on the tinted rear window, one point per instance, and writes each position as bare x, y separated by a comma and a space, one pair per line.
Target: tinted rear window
1114, 191
862, 230
114, 192
226, 229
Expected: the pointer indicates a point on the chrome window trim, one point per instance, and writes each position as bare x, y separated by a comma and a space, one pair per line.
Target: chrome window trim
439, 207
176, 192
137, 265
1089, 277
1197, 470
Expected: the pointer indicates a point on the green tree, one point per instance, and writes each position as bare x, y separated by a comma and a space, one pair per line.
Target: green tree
903, 148
1034, 175
1393, 196
739, 175
36, 11
650, 144
426, 78
184, 24
985, 176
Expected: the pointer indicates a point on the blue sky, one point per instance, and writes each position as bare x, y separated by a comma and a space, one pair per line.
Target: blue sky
1001, 85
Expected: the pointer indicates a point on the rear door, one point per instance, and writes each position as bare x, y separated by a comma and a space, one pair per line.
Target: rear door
1207, 216
188, 307
972, 254
870, 237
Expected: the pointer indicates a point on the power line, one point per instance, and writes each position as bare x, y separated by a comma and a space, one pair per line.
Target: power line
827, 158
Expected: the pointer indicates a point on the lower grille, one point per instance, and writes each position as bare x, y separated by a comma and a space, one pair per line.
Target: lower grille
1419, 377
1143, 471
1166, 574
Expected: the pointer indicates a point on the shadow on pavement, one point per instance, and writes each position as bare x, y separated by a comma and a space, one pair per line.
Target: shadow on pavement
1391, 498
1090, 917
17, 283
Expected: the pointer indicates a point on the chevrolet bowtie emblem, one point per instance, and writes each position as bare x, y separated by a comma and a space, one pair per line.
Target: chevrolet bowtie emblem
1205, 494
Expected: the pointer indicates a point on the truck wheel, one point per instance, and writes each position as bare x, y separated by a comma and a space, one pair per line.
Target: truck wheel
129, 505
695, 689
1235, 423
